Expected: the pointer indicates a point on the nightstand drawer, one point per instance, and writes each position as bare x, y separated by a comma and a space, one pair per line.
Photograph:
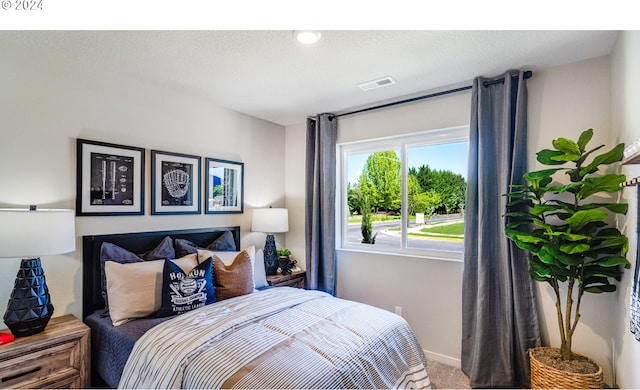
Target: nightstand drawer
59, 357
296, 279
44, 368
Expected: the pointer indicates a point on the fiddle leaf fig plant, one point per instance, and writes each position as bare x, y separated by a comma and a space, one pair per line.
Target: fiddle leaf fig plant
565, 226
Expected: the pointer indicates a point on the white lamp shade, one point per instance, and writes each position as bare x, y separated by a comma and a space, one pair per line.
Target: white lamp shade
25, 233
270, 220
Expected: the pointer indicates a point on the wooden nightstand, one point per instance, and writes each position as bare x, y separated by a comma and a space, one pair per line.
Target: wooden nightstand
296, 279
58, 357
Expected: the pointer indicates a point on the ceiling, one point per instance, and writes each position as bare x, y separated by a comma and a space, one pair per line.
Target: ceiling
269, 75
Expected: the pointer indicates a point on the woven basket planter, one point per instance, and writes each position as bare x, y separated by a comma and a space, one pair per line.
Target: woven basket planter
547, 377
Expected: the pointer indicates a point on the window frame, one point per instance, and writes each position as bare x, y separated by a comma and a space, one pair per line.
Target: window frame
401, 143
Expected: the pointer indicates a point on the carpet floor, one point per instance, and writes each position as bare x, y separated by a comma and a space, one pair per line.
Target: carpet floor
444, 376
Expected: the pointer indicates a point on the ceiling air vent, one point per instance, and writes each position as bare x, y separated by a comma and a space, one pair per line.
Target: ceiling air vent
383, 82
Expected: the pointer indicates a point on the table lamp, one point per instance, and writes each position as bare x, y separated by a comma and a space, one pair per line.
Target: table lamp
27, 234
271, 220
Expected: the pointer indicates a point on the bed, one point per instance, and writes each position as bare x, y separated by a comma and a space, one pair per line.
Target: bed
268, 337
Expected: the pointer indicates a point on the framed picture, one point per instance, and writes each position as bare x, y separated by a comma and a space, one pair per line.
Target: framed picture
175, 183
224, 190
110, 179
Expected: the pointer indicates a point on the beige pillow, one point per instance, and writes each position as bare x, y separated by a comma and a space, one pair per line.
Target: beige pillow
234, 279
228, 257
187, 263
135, 289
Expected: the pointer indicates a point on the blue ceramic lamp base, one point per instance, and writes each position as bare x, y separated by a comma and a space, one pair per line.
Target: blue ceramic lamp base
29, 309
271, 260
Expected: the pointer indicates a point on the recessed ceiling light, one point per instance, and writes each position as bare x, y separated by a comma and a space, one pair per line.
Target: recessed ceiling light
307, 37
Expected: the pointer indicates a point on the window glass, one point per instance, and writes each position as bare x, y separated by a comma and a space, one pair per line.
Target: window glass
406, 194
374, 197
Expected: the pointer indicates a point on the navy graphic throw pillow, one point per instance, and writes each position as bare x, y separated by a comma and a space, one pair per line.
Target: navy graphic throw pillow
184, 292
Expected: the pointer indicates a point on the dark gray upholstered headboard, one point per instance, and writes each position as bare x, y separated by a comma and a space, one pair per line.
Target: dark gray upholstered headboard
136, 243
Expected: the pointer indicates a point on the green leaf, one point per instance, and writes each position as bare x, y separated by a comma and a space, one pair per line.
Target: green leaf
575, 247
594, 270
545, 156
584, 139
516, 224
594, 280
530, 239
552, 256
587, 154
569, 236
520, 202
614, 155
566, 157
539, 209
569, 187
560, 256
567, 146
611, 261
539, 269
520, 214
600, 289
519, 194
541, 224
547, 257
618, 208
609, 231
562, 274
581, 218
533, 248
536, 177
545, 182
611, 242
606, 183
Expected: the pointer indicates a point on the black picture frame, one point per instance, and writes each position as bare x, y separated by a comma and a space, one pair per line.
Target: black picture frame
109, 179
176, 183
224, 189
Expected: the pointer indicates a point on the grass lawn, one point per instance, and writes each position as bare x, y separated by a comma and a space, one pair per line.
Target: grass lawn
452, 228
452, 232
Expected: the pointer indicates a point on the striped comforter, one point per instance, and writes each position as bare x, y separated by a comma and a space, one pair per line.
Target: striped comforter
279, 338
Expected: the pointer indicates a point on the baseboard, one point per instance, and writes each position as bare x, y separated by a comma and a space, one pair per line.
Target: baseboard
442, 358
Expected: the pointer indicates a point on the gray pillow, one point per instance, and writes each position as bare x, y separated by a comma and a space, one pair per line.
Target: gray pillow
223, 243
112, 252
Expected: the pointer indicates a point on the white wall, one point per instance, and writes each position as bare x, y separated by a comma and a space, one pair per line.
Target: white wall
625, 100
563, 101
294, 174
46, 103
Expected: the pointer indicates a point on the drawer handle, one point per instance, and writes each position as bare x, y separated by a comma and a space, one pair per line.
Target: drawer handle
11, 377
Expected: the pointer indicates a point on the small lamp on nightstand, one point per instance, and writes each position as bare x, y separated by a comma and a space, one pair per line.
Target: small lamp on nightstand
271, 220
28, 233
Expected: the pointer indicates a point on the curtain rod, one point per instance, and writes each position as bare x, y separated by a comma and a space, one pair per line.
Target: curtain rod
527, 75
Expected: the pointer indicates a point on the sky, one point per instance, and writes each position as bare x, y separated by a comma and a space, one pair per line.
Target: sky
449, 157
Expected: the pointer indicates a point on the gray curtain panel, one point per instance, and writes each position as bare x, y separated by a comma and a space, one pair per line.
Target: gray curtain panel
499, 320
320, 207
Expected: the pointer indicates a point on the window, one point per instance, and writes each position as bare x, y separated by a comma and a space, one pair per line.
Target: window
405, 194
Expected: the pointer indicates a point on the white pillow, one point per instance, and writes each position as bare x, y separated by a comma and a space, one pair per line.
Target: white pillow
257, 262
259, 273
